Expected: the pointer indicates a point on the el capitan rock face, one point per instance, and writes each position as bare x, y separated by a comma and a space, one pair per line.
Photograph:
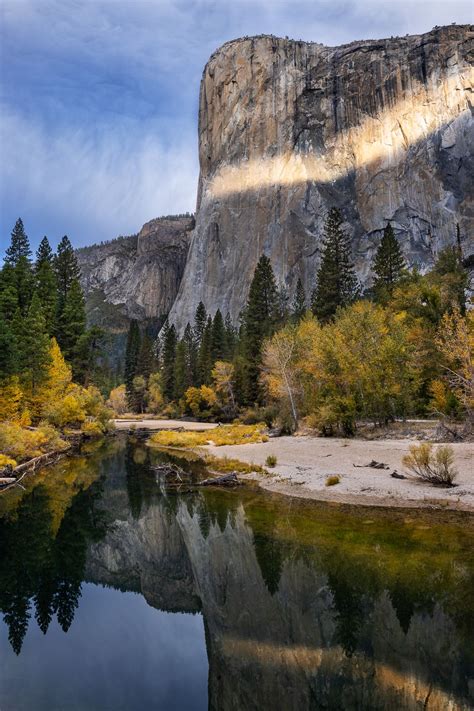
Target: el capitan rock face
137, 276
382, 129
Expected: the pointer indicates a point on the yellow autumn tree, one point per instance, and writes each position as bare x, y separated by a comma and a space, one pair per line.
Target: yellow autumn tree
55, 385
118, 400
223, 378
359, 366
11, 397
155, 393
200, 401
455, 341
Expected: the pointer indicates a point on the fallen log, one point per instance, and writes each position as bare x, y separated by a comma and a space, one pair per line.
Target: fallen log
4, 480
372, 465
396, 475
32, 464
225, 480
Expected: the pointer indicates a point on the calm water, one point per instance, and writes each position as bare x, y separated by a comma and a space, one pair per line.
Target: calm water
116, 594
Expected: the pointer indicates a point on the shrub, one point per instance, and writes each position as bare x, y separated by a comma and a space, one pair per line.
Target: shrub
6, 462
332, 480
22, 444
65, 411
271, 460
92, 429
434, 466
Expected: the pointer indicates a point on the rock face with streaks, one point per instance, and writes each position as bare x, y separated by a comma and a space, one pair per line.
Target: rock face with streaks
137, 276
382, 129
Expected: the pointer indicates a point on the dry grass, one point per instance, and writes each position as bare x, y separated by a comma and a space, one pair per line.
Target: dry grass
219, 436
225, 464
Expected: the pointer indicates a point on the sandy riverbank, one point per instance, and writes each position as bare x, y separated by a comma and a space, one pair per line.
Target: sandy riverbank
304, 463
155, 425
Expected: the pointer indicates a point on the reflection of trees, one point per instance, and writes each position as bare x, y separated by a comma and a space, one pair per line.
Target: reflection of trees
347, 599
37, 566
139, 477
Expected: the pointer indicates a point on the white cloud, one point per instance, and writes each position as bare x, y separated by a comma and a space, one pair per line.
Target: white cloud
110, 181
100, 96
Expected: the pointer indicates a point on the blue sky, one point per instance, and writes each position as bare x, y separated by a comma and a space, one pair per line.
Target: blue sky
98, 123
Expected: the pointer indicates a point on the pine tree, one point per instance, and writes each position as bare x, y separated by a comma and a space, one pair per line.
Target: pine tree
259, 322
388, 265
72, 324
8, 350
452, 277
281, 314
18, 256
89, 350
230, 336
180, 370
191, 355
200, 320
299, 302
131, 360
169, 340
205, 355
337, 284
218, 338
34, 347
145, 357
8, 292
46, 283
67, 270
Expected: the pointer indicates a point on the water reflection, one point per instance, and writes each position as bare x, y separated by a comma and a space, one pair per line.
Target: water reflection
303, 606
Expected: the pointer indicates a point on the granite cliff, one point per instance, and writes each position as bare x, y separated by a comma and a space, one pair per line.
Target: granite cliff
382, 129
136, 276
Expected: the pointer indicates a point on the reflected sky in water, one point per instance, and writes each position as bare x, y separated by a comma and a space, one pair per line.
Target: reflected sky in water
119, 653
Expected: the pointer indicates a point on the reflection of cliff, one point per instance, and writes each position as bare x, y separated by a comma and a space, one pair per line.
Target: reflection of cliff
288, 626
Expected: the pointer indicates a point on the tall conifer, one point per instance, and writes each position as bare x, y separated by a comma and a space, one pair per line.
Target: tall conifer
66, 268
259, 322
388, 265
34, 348
131, 360
205, 355
200, 320
299, 302
337, 283
168, 351
18, 256
46, 283
218, 338
72, 324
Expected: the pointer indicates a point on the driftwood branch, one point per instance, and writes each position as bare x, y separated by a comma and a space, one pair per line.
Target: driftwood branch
225, 480
372, 465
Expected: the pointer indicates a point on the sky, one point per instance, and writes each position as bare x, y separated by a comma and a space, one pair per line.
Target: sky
99, 98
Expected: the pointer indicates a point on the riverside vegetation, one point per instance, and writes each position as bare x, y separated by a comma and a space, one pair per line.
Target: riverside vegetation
327, 362
48, 357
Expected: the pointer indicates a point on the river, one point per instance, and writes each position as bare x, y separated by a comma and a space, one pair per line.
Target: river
117, 594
